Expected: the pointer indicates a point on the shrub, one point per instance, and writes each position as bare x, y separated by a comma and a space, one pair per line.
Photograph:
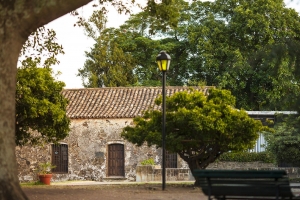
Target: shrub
285, 142
149, 161
265, 157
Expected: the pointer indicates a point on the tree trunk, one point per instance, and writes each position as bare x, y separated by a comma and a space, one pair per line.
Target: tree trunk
200, 160
9, 185
18, 18
194, 164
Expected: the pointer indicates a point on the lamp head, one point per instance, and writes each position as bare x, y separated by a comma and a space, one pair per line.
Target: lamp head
163, 61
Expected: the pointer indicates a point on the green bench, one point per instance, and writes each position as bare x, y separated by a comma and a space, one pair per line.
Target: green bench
240, 184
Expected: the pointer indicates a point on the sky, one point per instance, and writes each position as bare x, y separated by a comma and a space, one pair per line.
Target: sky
75, 42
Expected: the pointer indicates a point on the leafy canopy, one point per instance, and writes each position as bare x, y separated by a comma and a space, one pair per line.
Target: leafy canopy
248, 47
199, 128
40, 107
126, 56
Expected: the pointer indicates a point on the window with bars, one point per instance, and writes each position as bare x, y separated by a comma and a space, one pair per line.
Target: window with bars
60, 158
171, 160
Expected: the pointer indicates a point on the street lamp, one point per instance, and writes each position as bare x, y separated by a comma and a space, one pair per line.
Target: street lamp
163, 60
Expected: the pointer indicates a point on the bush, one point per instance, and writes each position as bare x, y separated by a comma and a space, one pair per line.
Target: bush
265, 157
149, 161
285, 142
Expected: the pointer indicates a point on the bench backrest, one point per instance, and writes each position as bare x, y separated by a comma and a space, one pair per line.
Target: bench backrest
239, 173
243, 183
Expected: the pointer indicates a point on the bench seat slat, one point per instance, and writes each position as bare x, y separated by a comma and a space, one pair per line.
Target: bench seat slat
248, 182
246, 191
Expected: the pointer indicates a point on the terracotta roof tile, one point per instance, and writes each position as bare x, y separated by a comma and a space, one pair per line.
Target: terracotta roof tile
115, 102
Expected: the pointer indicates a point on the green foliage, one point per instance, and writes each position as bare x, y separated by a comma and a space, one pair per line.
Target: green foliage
285, 142
245, 156
199, 128
42, 44
248, 47
107, 64
45, 168
126, 56
40, 107
149, 161
165, 15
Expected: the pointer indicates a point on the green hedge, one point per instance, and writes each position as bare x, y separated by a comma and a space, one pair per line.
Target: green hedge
265, 157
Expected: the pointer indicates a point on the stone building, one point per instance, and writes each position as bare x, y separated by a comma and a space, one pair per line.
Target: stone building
94, 149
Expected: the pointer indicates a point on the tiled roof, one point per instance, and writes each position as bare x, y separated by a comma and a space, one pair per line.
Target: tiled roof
115, 102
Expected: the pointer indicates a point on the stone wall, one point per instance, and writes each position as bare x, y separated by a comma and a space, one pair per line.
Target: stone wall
240, 165
87, 146
293, 172
153, 173
28, 159
87, 143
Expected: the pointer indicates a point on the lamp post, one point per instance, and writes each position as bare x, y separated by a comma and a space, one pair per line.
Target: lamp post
163, 60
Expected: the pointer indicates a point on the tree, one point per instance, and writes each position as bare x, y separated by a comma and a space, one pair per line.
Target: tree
18, 19
284, 142
40, 107
199, 128
107, 65
247, 47
41, 48
136, 44
134, 52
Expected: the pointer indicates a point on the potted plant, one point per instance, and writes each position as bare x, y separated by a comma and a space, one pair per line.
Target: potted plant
44, 172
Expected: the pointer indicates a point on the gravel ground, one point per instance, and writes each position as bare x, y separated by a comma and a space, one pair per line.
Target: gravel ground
113, 192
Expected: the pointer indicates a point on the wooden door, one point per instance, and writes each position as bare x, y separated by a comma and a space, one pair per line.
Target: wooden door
116, 160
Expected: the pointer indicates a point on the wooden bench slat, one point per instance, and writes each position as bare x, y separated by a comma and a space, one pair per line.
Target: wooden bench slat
239, 174
246, 191
238, 183
248, 182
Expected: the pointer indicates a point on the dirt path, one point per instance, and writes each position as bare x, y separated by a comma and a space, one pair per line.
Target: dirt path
114, 192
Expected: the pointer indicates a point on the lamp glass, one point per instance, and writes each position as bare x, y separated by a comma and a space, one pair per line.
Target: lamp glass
163, 61
159, 65
163, 65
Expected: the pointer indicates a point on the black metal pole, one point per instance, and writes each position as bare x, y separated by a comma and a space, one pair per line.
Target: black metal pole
164, 132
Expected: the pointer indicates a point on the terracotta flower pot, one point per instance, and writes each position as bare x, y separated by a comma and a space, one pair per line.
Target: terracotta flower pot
45, 178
